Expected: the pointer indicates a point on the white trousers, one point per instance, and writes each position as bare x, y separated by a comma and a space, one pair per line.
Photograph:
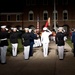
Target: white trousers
61, 52
26, 52
35, 43
14, 49
3, 54
53, 38
39, 42
45, 49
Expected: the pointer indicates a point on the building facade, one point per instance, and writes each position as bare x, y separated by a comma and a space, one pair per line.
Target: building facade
36, 12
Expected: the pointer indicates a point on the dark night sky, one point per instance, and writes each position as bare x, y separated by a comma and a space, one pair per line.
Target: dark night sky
11, 5
14, 5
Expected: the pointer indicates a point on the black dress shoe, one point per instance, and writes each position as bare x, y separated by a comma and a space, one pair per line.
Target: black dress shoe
30, 55
60, 59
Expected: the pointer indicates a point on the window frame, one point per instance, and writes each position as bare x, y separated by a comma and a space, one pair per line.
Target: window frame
56, 13
65, 11
30, 12
45, 12
8, 15
17, 17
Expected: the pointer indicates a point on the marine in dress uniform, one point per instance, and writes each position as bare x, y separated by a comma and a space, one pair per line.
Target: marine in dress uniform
45, 40
32, 37
14, 35
3, 43
26, 43
35, 40
60, 42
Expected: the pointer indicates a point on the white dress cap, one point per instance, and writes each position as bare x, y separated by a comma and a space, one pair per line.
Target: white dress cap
14, 29
30, 30
26, 28
6, 28
3, 26
45, 28
11, 28
60, 28
20, 28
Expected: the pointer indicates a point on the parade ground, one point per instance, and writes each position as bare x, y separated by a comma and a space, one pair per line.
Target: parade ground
39, 65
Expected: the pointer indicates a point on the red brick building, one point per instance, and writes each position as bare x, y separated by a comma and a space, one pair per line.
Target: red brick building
39, 10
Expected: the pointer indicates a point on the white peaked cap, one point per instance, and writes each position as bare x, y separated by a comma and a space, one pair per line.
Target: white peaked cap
63, 30
6, 28
30, 30
26, 28
3, 26
14, 28
60, 28
45, 28
20, 28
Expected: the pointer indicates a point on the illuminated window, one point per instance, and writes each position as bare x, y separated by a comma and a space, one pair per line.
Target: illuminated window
45, 15
31, 15
18, 17
56, 14
65, 15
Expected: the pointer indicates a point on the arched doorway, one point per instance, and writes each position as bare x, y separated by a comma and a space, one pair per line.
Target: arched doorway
66, 28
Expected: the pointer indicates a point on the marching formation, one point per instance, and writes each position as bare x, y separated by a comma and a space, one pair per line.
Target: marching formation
30, 39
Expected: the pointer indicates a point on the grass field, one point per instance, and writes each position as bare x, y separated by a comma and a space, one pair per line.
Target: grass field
20, 48
69, 42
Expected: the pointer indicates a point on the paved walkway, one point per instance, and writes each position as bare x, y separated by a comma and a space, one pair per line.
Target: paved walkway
39, 65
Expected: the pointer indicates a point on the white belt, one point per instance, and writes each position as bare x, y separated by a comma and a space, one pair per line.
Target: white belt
3, 39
